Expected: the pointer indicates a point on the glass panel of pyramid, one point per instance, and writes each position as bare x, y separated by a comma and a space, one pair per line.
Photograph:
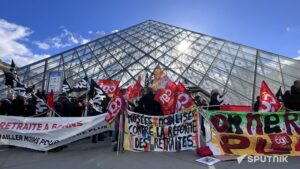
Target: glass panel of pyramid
201, 62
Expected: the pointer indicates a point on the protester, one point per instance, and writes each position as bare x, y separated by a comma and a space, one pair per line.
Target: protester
198, 101
30, 107
215, 100
140, 108
39, 94
291, 98
151, 107
19, 107
6, 104
63, 106
256, 104
44, 95
79, 107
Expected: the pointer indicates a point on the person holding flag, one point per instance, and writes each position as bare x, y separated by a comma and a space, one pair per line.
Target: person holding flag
149, 105
291, 98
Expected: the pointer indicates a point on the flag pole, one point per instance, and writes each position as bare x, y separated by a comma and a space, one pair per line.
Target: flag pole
120, 133
86, 103
50, 108
209, 123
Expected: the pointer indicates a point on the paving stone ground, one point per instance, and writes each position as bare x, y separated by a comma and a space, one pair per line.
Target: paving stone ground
86, 155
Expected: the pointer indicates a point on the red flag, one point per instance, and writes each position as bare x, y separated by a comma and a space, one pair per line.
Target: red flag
109, 86
128, 95
166, 98
137, 88
268, 102
184, 101
50, 99
115, 106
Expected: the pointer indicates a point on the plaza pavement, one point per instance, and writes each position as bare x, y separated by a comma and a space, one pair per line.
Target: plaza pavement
86, 155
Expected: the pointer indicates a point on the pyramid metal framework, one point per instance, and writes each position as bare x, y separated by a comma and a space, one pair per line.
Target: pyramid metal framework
197, 60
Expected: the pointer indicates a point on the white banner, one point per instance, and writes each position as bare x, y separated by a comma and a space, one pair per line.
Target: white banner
45, 133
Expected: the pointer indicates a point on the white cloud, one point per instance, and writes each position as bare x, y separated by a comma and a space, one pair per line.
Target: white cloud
100, 33
84, 41
41, 45
10, 36
65, 39
114, 31
24, 60
11, 46
297, 57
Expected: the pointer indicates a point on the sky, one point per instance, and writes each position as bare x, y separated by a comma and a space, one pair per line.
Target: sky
34, 29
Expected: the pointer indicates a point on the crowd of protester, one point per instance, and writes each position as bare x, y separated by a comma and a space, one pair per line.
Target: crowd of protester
76, 107
65, 106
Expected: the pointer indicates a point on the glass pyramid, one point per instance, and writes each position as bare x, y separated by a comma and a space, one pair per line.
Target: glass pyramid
199, 61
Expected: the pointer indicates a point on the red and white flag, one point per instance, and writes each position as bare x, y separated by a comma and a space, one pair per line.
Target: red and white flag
115, 106
109, 86
184, 101
167, 98
268, 102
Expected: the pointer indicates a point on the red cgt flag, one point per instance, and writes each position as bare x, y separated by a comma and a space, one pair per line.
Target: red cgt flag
115, 106
109, 86
268, 102
184, 101
166, 98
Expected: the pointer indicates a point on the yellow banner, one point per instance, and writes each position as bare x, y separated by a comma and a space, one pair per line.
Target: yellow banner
241, 133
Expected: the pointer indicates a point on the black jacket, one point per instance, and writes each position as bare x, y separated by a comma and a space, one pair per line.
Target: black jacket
214, 102
291, 99
6, 106
151, 106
